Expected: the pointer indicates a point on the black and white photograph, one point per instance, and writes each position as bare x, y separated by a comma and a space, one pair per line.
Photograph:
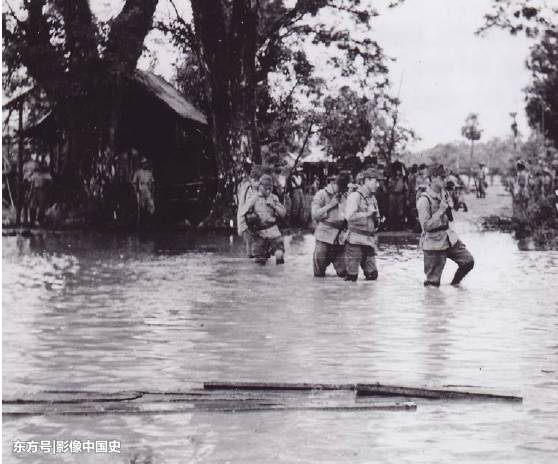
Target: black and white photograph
279, 231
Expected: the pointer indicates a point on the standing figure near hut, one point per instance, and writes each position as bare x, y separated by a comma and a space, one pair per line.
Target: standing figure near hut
438, 241
40, 182
261, 212
30, 167
363, 218
296, 189
328, 208
245, 191
144, 184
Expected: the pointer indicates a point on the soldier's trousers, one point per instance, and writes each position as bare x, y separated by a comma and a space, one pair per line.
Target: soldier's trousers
360, 255
326, 254
248, 239
435, 260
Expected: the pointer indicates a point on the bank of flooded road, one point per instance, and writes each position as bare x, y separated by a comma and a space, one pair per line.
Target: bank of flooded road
106, 313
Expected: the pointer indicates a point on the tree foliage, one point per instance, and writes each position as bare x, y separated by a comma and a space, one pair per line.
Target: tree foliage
530, 17
542, 93
345, 126
471, 130
537, 20
262, 88
389, 136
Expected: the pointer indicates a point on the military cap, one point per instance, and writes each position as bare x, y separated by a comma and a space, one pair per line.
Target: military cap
266, 180
436, 170
331, 178
372, 173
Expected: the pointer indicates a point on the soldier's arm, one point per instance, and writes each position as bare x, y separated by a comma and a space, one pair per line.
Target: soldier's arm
352, 207
319, 209
248, 204
427, 221
280, 210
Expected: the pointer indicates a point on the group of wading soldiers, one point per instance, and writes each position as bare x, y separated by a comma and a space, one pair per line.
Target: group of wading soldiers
347, 220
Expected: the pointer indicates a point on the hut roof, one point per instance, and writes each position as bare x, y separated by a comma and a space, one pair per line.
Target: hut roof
165, 92
149, 82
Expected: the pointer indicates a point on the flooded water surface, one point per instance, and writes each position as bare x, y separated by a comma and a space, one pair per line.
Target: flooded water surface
112, 313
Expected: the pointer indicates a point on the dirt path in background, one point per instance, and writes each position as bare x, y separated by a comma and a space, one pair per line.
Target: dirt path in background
498, 202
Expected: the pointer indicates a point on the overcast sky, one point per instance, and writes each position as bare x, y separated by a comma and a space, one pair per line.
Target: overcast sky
446, 71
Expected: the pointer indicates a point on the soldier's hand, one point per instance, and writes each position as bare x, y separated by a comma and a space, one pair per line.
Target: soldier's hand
333, 203
443, 205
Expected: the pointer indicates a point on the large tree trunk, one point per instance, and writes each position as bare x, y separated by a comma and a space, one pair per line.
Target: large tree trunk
228, 38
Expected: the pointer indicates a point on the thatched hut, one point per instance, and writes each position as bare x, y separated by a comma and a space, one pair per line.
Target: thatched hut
158, 123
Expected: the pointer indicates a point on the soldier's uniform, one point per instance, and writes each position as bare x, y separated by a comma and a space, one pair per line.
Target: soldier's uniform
267, 238
361, 242
245, 191
520, 193
438, 241
330, 244
143, 181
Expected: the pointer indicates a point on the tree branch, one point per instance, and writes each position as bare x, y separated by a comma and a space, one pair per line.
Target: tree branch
127, 34
81, 32
301, 151
37, 52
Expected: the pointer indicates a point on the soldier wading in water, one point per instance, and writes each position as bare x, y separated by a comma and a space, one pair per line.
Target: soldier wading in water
363, 218
438, 240
261, 212
328, 208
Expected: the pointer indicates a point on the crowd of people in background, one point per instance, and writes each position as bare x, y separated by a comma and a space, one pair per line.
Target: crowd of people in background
39, 199
530, 183
396, 193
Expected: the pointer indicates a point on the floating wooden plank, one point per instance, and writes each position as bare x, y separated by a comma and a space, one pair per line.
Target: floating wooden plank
276, 386
438, 394
63, 397
361, 389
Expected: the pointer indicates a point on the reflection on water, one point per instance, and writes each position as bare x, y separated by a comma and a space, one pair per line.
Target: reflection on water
112, 313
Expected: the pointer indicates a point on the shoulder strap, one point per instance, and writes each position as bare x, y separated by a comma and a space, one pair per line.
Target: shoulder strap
425, 195
363, 197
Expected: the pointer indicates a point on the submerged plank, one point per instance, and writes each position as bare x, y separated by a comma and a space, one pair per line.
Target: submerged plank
394, 390
216, 407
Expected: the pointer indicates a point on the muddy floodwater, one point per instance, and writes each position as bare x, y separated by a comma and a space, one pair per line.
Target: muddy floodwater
111, 313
